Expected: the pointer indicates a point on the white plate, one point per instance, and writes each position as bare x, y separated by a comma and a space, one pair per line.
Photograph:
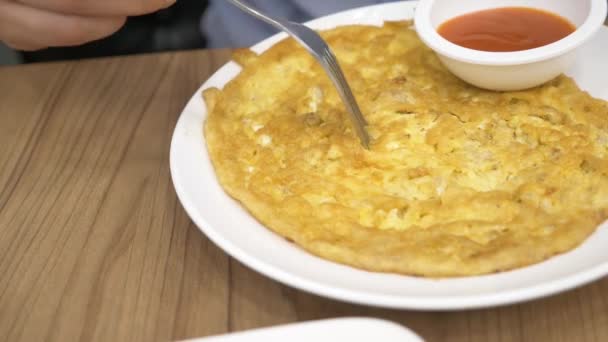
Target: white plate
228, 225
342, 329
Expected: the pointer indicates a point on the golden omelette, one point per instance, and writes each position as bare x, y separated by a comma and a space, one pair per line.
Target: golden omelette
459, 181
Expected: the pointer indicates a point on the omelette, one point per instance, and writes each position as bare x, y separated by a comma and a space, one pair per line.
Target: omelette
458, 181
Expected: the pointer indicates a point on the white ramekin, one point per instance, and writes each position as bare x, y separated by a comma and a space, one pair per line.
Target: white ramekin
508, 70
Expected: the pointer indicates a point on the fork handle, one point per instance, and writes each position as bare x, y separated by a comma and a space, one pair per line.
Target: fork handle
326, 58
254, 12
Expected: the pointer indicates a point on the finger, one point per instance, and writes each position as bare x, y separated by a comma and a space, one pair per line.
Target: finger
22, 46
101, 7
24, 26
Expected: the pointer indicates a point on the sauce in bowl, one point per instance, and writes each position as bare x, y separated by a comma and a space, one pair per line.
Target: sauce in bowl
506, 29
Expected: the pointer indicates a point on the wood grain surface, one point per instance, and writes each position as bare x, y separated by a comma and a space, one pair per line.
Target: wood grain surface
94, 245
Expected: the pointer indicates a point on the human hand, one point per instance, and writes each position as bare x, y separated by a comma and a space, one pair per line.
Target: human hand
36, 24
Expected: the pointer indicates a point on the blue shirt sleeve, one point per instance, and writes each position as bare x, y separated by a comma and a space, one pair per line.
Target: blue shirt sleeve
226, 26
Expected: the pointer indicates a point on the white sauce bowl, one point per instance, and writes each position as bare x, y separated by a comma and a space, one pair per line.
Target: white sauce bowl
506, 71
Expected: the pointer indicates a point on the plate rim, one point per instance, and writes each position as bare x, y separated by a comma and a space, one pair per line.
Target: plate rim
437, 303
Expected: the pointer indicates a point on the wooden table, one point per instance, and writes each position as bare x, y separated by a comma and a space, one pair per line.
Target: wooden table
94, 245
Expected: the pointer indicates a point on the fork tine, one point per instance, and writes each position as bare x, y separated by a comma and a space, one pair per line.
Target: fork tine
337, 76
319, 49
313, 42
351, 97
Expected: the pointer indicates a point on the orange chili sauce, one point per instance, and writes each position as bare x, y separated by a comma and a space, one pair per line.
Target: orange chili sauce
506, 29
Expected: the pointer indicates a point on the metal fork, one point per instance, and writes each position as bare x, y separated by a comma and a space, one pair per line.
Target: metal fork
317, 47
